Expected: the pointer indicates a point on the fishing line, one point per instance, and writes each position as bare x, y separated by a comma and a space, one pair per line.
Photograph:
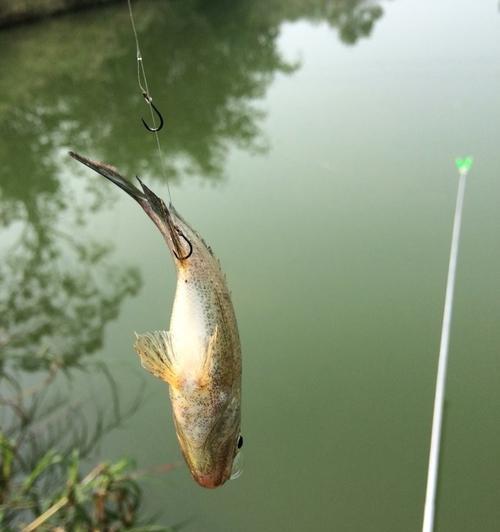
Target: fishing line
142, 80
463, 166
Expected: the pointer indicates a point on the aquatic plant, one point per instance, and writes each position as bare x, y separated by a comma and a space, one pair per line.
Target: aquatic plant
47, 478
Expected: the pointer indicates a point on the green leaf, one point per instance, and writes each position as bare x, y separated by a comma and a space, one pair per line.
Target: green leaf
118, 468
73, 467
48, 459
7, 453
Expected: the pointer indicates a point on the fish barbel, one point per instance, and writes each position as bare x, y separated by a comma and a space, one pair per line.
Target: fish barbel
200, 356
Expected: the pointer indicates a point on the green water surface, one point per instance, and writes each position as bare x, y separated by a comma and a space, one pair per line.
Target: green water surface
312, 143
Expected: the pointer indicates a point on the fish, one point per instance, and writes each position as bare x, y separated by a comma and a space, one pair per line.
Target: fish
199, 357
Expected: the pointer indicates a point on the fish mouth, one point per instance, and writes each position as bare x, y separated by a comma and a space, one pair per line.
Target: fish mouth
209, 481
207, 477
211, 477
210, 459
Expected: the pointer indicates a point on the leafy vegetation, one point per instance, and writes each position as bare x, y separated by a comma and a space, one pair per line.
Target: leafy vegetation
47, 479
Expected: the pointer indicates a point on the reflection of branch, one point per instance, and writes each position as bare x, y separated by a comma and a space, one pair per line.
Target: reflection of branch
156, 470
46, 302
16, 407
52, 372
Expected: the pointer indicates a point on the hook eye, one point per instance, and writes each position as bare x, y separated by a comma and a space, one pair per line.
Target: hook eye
149, 101
190, 252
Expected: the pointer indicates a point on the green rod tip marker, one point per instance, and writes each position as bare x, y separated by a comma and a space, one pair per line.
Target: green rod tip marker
464, 165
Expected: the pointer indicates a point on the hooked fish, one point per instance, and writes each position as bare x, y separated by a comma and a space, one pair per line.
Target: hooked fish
200, 356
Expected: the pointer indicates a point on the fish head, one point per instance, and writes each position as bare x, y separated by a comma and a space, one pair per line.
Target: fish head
210, 441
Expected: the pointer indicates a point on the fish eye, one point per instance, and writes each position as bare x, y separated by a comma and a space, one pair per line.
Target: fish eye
240, 442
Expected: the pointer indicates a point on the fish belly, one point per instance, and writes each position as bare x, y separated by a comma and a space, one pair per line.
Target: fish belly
189, 330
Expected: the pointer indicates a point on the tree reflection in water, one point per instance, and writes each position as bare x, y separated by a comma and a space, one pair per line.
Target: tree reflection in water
209, 62
58, 288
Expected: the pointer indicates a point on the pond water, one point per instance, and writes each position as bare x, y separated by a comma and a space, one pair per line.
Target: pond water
312, 144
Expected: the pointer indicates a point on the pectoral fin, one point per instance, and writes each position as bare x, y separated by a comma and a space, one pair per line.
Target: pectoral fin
156, 354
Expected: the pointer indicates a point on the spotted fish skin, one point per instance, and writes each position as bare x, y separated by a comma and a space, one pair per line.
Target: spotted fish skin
200, 356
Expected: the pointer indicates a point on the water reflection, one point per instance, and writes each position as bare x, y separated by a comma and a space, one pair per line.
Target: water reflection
208, 63
354, 19
57, 292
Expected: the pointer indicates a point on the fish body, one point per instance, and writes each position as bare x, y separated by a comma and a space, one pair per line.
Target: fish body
200, 356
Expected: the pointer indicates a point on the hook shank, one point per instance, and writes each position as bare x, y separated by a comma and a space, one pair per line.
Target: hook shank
190, 252
149, 101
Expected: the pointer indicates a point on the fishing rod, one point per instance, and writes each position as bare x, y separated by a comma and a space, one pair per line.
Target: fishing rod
463, 166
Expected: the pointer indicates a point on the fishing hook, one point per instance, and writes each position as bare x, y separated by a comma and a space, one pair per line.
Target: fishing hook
190, 252
149, 100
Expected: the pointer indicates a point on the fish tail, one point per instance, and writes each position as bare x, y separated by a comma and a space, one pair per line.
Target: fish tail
162, 217
109, 172
154, 206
